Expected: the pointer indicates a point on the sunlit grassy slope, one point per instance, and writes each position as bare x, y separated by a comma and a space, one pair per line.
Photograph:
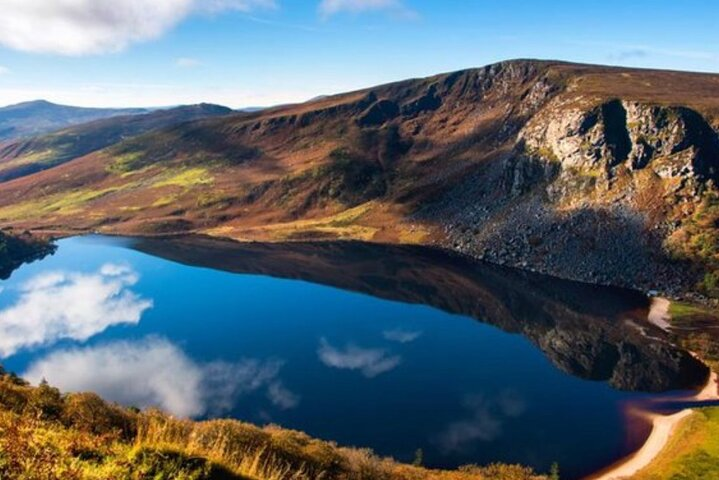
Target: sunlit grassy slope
47, 435
692, 453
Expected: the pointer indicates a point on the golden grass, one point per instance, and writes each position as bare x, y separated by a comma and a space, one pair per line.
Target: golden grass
342, 225
414, 235
62, 204
46, 435
164, 201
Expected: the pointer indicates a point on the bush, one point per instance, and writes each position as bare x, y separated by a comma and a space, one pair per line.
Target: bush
90, 413
45, 402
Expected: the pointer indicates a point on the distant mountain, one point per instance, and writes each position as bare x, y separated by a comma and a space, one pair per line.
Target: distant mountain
600, 174
30, 155
40, 116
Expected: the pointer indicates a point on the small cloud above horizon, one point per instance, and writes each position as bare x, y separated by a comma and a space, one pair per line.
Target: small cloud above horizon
187, 62
396, 8
629, 54
4, 70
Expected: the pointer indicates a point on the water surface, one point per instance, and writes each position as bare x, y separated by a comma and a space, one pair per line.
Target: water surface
393, 348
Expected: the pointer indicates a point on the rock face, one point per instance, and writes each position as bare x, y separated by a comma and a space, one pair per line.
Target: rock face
593, 190
670, 141
599, 174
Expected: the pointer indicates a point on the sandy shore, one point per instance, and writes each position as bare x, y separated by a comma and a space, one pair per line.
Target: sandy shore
662, 428
659, 313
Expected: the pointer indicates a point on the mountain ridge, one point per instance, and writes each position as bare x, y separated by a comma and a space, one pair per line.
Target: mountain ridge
41, 116
22, 157
578, 171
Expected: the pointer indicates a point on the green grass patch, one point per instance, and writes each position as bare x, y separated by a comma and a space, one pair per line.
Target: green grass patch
692, 453
125, 163
187, 178
63, 204
680, 311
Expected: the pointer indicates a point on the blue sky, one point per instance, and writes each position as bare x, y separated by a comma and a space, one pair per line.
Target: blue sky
262, 52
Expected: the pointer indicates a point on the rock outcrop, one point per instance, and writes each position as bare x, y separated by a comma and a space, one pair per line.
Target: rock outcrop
599, 174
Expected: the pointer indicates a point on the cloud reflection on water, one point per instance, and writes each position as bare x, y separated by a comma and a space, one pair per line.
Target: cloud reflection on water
401, 336
69, 305
370, 361
154, 372
484, 423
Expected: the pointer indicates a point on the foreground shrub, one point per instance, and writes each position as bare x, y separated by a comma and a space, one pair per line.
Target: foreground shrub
45, 435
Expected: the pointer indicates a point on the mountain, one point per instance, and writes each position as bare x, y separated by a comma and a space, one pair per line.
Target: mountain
600, 174
40, 116
25, 156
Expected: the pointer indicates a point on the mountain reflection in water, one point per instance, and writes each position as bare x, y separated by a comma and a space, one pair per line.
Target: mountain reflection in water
589, 331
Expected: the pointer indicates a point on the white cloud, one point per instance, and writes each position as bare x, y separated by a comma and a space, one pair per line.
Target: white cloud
187, 62
401, 336
156, 373
239, 5
370, 361
4, 70
79, 27
484, 424
65, 305
396, 7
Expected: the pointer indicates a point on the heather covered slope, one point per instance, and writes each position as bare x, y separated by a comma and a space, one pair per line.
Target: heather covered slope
40, 116
593, 173
26, 156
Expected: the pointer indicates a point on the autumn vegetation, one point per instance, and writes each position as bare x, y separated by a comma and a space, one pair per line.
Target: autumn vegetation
45, 435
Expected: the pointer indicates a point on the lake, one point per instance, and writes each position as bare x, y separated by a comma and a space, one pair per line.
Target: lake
392, 348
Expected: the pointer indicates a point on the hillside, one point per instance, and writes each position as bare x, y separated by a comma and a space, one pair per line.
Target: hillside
50, 435
40, 116
25, 156
600, 174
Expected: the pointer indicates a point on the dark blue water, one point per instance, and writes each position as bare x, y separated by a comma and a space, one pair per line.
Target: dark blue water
342, 366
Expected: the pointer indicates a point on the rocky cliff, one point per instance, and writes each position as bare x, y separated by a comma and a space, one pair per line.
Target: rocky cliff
606, 175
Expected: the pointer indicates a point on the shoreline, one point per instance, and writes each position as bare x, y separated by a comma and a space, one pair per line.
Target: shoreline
663, 427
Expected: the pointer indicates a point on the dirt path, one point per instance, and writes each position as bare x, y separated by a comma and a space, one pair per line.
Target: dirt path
659, 313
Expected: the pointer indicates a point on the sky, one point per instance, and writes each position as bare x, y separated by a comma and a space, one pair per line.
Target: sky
247, 53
